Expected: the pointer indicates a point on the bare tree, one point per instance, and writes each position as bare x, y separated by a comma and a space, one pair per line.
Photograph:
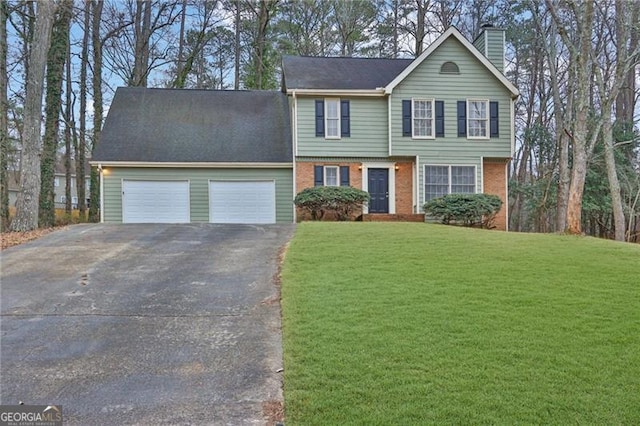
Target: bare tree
96, 42
55, 71
582, 136
27, 205
81, 145
68, 130
4, 126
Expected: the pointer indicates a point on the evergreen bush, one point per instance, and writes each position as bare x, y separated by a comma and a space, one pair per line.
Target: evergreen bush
466, 209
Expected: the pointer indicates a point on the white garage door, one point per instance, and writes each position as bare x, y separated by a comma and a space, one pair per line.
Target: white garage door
242, 202
155, 201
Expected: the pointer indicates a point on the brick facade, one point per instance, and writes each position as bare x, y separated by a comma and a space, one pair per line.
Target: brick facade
403, 177
404, 188
495, 182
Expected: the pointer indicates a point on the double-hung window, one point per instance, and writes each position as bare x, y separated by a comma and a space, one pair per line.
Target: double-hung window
443, 180
332, 118
423, 118
478, 118
331, 176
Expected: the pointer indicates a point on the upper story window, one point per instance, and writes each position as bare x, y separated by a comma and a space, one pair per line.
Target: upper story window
423, 118
478, 118
450, 68
56, 181
333, 118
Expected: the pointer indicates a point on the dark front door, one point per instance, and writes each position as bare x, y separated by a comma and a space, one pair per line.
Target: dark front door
379, 190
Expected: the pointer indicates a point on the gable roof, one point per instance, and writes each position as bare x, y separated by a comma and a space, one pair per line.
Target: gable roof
196, 126
453, 32
306, 72
319, 74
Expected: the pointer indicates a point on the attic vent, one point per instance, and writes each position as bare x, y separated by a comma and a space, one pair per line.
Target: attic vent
450, 68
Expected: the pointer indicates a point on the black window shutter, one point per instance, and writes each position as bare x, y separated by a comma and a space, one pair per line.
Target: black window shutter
345, 123
344, 175
493, 120
318, 176
439, 118
406, 118
462, 118
319, 118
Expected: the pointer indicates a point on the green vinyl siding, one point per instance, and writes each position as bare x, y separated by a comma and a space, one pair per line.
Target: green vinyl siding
369, 137
495, 47
474, 81
479, 43
199, 187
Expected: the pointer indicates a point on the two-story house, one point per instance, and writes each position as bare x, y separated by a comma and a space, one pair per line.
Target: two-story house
404, 130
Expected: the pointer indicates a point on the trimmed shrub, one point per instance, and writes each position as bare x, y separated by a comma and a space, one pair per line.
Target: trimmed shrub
342, 200
466, 209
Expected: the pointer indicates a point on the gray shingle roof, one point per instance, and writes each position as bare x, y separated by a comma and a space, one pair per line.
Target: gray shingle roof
175, 125
304, 72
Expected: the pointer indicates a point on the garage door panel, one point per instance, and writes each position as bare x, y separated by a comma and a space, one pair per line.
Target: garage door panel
242, 202
155, 201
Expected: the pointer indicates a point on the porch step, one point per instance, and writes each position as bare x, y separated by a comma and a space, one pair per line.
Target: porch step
393, 218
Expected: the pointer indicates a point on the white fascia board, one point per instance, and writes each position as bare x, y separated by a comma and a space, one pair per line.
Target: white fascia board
194, 165
452, 31
379, 92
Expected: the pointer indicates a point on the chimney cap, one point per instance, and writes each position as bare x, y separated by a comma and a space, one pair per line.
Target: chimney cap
486, 25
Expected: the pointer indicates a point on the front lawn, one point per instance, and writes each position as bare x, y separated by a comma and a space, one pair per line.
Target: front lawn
411, 323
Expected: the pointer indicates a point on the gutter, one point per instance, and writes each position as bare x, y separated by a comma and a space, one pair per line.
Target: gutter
378, 92
192, 165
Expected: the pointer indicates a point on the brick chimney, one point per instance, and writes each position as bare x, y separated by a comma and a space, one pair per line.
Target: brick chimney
490, 42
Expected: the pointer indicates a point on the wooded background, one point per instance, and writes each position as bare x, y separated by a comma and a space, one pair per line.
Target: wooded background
577, 163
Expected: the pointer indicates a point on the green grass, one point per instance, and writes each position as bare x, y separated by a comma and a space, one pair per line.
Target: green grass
397, 323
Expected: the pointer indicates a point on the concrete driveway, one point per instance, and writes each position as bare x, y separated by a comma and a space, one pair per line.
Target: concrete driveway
145, 324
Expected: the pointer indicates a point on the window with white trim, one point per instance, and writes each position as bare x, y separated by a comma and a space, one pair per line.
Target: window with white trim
331, 176
423, 117
332, 118
478, 119
443, 180
56, 181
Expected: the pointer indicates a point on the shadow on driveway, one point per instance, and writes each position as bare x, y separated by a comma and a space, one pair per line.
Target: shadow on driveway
144, 324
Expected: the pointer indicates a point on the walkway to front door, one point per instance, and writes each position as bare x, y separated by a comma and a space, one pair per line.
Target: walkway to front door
378, 185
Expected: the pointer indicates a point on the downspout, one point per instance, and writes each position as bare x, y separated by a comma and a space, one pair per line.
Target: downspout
506, 187
389, 122
101, 176
294, 135
416, 190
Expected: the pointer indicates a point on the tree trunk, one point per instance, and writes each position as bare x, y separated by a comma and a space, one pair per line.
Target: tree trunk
27, 205
263, 23
4, 109
612, 175
179, 81
142, 24
421, 13
580, 55
236, 47
69, 124
55, 71
94, 212
81, 146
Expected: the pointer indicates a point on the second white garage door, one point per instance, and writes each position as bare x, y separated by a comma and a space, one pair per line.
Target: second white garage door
242, 202
155, 201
